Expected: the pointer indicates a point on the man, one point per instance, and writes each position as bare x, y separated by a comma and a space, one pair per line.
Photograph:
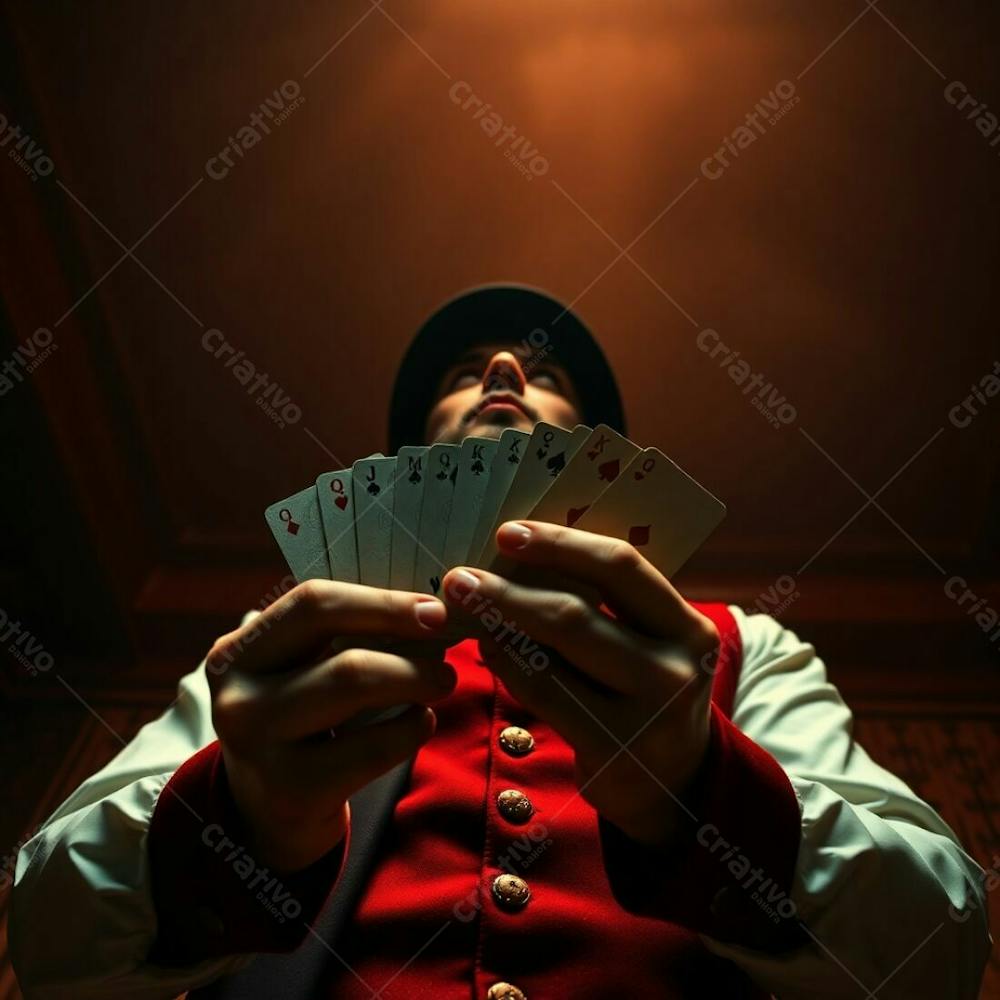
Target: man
669, 804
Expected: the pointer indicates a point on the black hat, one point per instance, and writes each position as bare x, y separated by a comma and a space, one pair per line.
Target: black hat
502, 314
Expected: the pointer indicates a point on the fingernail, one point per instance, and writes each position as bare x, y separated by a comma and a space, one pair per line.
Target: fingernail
513, 535
461, 583
431, 613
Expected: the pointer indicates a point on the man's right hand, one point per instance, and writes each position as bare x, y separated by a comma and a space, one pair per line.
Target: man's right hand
279, 685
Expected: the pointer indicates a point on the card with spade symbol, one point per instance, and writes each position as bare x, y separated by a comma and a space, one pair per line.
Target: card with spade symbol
595, 466
439, 490
658, 508
407, 502
510, 452
549, 450
372, 488
403, 522
474, 464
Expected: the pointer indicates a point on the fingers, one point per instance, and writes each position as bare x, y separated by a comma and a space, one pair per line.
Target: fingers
323, 696
574, 707
302, 622
298, 792
346, 764
594, 643
632, 587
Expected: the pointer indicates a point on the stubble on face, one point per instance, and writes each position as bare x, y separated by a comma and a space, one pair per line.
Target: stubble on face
478, 405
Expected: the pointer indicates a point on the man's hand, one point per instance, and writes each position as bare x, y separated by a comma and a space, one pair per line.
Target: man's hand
636, 671
280, 684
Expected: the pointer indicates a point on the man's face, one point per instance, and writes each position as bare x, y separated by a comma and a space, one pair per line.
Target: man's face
495, 386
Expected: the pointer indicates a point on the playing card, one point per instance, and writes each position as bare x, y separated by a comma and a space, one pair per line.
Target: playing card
407, 498
548, 451
503, 468
372, 488
594, 467
442, 473
336, 506
658, 508
474, 462
298, 529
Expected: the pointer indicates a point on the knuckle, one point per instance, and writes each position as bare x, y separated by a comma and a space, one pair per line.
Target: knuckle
568, 611
621, 556
554, 534
232, 713
221, 656
391, 603
499, 589
313, 596
351, 669
705, 639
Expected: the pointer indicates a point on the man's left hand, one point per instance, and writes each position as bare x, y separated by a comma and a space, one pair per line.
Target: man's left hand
627, 685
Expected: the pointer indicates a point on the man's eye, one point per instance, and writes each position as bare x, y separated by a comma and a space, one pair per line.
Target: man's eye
463, 379
544, 380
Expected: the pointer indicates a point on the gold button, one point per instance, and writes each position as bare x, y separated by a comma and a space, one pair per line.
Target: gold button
514, 805
517, 741
510, 891
504, 991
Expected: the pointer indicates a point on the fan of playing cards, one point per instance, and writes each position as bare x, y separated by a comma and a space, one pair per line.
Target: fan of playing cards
403, 522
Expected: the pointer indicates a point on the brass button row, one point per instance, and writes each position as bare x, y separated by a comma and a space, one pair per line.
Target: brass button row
511, 892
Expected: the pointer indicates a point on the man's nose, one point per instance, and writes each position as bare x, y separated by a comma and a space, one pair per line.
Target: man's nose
504, 373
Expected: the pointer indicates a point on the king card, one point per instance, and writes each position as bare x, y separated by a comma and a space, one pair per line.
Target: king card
474, 463
595, 466
506, 461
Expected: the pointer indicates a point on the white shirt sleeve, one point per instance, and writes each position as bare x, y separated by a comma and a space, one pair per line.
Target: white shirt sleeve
82, 915
891, 902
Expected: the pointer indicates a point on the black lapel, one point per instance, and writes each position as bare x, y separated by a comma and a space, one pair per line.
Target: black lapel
295, 976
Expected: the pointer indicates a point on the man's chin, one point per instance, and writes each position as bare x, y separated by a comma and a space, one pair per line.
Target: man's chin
487, 425
492, 423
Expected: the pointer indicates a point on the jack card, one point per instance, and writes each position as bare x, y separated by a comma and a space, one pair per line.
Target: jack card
372, 485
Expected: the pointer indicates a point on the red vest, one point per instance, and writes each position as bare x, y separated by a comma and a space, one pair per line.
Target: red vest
606, 917
428, 924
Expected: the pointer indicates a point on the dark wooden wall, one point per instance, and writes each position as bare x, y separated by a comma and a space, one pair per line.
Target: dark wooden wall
848, 253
